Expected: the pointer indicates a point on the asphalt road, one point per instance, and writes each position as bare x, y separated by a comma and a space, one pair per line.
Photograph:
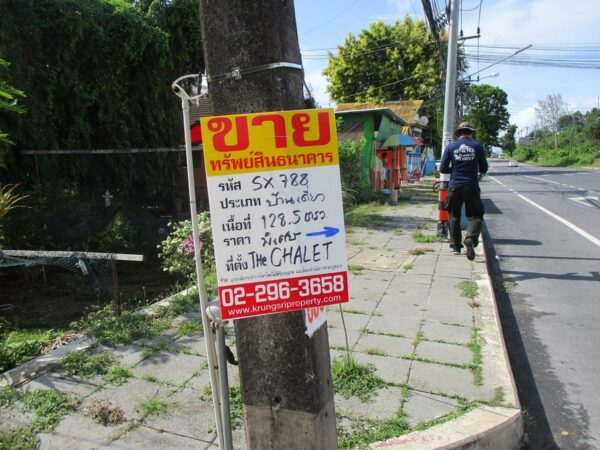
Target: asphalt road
544, 226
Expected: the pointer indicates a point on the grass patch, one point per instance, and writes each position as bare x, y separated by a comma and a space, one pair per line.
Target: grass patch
102, 411
475, 365
18, 439
505, 287
375, 351
365, 431
236, 407
498, 397
20, 346
9, 396
87, 365
48, 407
118, 375
154, 350
368, 214
423, 238
352, 379
408, 267
154, 406
112, 329
468, 289
355, 269
398, 231
188, 328
356, 311
150, 378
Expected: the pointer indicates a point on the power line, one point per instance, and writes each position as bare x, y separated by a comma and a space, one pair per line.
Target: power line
331, 19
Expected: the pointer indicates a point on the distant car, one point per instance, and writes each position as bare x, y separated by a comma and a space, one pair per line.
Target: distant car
513, 163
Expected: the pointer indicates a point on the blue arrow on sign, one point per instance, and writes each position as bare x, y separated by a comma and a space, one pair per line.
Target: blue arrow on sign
327, 232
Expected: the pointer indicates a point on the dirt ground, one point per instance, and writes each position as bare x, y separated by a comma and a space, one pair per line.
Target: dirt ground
53, 297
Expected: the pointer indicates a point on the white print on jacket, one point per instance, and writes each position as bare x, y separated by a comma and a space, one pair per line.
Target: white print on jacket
464, 153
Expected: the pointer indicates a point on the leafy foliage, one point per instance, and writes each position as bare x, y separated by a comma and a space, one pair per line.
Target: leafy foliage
576, 144
507, 142
19, 346
48, 407
8, 102
355, 190
486, 110
350, 378
385, 62
177, 250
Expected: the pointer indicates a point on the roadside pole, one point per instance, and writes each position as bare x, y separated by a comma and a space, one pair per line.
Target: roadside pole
449, 111
253, 65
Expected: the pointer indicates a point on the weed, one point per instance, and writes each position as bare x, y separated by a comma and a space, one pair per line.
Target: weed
236, 407
20, 346
375, 351
422, 238
408, 267
8, 396
505, 287
154, 406
48, 407
474, 304
118, 375
112, 329
154, 350
390, 334
364, 331
498, 397
18, 439
206, 393
475, 365
468, 289
418, 338
398, 231
365, 431
150, 378
188, 328
103, 412
357, 242
87, 365
355, 269
368, 214
350, 378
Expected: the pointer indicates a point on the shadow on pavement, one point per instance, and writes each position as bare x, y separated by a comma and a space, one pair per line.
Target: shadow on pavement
537, 427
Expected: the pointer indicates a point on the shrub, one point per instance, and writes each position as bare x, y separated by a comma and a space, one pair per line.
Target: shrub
177, 250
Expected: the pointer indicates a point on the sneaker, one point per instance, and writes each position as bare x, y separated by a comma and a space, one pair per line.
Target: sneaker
455, 251
470, 249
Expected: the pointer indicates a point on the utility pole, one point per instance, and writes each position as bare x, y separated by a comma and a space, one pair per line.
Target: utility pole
253, 64
449, 109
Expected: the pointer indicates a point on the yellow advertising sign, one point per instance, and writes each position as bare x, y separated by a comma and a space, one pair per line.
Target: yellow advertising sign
245, 143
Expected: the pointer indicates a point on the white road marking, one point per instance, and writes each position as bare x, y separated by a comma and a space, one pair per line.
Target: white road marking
584, 200
545, 181
573, 227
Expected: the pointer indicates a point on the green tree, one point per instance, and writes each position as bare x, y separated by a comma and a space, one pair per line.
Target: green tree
549, 112
507, 142
591, 124
486, 110
385, 62
8, 102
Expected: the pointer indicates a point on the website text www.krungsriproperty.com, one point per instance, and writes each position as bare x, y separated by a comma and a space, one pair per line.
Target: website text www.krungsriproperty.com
286, 306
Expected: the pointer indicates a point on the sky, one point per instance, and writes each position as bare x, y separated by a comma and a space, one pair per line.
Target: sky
557, 30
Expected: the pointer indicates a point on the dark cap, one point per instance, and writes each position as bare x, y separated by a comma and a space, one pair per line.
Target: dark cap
465, 126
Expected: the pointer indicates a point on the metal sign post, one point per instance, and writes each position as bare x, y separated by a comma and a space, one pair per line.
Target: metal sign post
210, 344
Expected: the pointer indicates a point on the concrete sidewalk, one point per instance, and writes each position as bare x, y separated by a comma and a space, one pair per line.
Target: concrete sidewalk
439, 352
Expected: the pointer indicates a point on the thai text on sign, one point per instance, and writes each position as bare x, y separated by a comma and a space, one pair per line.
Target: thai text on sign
276, 208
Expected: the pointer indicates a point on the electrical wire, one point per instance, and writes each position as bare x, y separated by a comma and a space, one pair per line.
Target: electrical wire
331, 19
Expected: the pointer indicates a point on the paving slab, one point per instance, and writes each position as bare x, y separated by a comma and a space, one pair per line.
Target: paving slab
384, 405
445, 353
354, 322
76, 386
169, 367
77, 431
423, 406
129, 355
450, 381
337, 337
129, 397
395, 324
435, 331
393, 346
389, 369
188, 415
146, 437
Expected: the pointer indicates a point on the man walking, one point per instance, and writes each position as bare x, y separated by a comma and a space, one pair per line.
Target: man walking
463, 159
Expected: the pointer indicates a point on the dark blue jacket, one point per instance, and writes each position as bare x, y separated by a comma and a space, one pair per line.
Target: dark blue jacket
463, 158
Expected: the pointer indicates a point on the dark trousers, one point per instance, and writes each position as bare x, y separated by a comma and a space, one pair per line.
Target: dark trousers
470, 196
